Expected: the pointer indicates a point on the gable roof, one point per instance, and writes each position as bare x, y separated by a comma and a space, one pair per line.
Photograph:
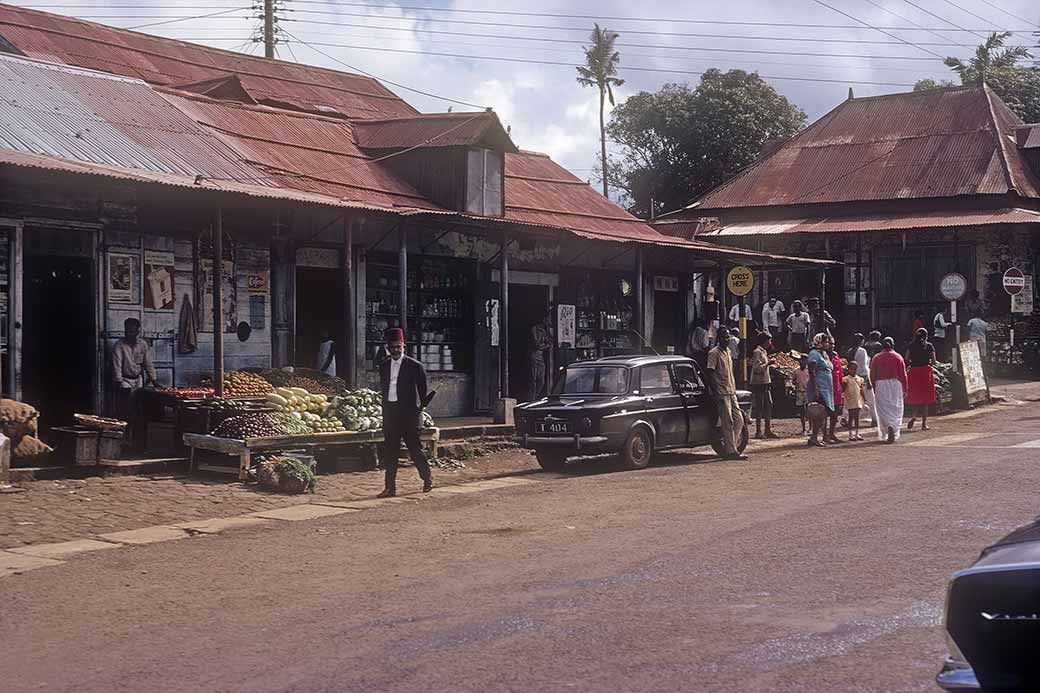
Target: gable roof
169, 62
435, 130
930, 144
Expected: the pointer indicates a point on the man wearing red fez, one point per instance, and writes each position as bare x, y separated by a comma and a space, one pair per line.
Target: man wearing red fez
404, 395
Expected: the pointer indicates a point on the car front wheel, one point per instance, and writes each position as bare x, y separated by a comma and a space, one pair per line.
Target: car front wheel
639, 449
742, 443
551, 461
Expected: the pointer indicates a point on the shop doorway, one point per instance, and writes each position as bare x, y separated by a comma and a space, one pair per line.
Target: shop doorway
669, 316
319, 311
59, 356
528, 304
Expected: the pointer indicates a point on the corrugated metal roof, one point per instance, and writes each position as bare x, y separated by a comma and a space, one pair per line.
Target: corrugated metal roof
1028, 136
435, 130
878, 222
929, 144
170, 62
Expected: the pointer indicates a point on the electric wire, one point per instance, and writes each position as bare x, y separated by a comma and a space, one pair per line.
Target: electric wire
1014, 16
969, 12
866, 24
184, 19
941, 19
905, 19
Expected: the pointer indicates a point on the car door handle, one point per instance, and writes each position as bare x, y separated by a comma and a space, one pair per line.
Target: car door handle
648, 400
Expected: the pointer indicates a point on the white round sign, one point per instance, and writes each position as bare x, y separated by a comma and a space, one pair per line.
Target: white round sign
1014, 281
953, 286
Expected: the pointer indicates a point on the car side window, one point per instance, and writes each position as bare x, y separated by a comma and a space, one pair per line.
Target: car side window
655, 379
685, 373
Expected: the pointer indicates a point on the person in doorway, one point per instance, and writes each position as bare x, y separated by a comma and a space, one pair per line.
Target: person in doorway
854, 392
761, 385
403, 386
724, 390
132, 369
920, 379
821, 319
798, 324
888, 378
771, 317
697, 348
918, 324
326, 362
977, 328
821, 385
858, 355
839, 399
801, 388
939, 325
540, 340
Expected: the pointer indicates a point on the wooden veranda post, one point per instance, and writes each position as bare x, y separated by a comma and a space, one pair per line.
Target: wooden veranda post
640, 318
503, 317
402, 280
218, 303
345, 359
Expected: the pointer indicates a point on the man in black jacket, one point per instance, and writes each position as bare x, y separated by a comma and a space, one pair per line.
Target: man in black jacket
403, 386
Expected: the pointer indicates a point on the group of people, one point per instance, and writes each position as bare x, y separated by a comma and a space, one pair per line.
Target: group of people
888, 384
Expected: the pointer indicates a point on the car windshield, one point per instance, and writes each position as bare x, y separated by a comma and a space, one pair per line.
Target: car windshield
592, 380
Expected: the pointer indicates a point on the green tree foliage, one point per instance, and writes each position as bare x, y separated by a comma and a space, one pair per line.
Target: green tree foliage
677, 143
600, 71
928, 83
999, 67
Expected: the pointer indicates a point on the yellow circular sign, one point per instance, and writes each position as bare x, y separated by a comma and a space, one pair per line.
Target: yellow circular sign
740, 281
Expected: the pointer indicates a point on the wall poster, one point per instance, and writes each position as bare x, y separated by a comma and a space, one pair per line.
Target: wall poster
204, 273
159, 270
566, 332
124, 278
975, 386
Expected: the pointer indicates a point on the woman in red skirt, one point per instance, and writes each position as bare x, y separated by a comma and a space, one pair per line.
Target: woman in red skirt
920, 378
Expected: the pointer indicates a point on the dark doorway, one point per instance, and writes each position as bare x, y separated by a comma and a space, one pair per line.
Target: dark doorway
319, 310
528, 304
669, 316
58, 340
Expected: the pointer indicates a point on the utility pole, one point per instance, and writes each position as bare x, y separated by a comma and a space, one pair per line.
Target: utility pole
268, 28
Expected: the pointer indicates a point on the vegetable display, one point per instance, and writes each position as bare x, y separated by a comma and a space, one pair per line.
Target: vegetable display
247, 426
243, 384
187, 392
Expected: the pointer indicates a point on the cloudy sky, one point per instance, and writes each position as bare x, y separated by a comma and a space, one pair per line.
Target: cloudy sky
531, 84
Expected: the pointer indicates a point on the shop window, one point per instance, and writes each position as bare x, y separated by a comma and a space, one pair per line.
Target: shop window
655, 380
484, 182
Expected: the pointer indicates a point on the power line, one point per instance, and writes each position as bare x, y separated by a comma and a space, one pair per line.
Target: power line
1015, 16
182, 19
969, 12
376, 77
941, 19
687, 48
894, 14
600, 18
856, 19
629, 68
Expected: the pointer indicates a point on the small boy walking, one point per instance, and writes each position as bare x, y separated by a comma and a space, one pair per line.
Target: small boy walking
854, 392
801, 389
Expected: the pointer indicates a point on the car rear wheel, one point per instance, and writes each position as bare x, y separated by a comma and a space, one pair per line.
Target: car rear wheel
639, 449
720, 449
551, 461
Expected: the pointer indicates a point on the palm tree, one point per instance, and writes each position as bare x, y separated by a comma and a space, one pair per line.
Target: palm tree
600, 70
988, 57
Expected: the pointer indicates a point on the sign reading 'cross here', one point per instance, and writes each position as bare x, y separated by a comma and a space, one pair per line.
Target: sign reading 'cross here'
1014, 281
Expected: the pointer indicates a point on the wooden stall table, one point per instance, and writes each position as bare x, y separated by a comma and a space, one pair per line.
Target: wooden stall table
243, 449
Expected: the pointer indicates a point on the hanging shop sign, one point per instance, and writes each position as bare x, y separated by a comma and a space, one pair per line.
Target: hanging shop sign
124, 278
159, 271
740, 281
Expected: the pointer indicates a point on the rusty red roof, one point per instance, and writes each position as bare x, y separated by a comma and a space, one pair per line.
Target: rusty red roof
481, 129
930, 144
170, 62
868, 222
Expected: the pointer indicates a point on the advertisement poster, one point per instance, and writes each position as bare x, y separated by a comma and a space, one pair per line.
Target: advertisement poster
205, 281
566, 333
975, 385
159, 270
1022, 302
258, 283
124, 278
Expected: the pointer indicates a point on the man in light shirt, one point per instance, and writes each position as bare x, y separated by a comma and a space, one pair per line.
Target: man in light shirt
735, 315
403, 386
772, 317
939, 325
132, 369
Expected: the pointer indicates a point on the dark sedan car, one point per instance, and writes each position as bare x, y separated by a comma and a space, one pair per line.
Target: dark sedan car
993, 618
632, 405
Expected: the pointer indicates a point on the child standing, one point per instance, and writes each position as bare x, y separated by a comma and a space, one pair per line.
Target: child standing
854, 393
801, 388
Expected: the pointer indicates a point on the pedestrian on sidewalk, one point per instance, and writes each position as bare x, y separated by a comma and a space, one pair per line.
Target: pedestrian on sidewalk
761, 385
821, 319
772, 317
798, 324
697, 347
888, 378
939, 341
132, 369
977, 328
724, 389
403, 386
839, 400
821, 385
801, 388
920, 379
854, 392
858, 353
918, 324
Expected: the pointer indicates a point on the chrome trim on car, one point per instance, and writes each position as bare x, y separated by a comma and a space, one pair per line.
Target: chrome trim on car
564, 440
957, 675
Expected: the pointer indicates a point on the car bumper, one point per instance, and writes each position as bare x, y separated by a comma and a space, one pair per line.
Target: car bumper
957, 675
573, 443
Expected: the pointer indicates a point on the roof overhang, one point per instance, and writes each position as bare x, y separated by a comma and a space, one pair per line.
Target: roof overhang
878, 222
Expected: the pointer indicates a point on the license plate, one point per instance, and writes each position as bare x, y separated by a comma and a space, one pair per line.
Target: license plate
553, 427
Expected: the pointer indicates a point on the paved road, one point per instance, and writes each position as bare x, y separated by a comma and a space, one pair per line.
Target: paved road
800, 570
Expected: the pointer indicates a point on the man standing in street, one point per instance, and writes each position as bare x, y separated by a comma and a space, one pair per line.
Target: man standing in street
888, 378
132, 369
772, 322
724, 390
403, 386
822, 320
